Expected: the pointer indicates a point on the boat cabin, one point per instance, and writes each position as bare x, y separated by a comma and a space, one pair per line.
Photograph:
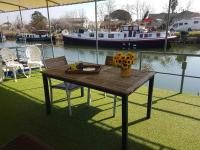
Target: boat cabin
127, 32
31, 35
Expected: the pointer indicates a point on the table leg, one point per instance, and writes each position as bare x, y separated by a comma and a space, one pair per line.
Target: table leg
124, 122
82, 91
46, 93
150, 94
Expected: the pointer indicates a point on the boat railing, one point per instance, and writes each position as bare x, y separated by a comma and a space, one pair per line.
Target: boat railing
183, 64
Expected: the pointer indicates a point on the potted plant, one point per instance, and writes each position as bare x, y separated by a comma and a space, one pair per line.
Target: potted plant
124, 61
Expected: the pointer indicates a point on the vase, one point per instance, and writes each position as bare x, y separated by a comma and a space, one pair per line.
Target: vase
126, 72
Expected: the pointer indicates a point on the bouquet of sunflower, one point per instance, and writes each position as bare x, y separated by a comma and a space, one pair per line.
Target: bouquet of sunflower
124, 61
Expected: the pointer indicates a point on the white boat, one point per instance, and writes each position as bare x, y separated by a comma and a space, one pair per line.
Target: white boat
32, 37
129, 37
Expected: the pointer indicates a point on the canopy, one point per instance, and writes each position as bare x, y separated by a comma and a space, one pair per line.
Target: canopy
15, 5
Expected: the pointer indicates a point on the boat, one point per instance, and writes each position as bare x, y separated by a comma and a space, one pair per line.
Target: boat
129, 37
32, 37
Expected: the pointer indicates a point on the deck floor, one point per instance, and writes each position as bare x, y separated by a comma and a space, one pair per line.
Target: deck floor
174, 124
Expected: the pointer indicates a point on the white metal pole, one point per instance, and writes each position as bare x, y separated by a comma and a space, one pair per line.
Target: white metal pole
97, 44
47, 4
167, 25
22, 25
20, 11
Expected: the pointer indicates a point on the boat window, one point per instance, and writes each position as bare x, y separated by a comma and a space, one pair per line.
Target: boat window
136, 28
150, 35
175, 25
158, 34
145, 35
186, 23
130, 28
141, 35
110, 35
180, 24
91, 34
101, 35
134, 34
125, 28
79, 35
196, 22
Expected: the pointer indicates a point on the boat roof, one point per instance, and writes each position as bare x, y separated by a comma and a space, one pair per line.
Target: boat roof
15, 5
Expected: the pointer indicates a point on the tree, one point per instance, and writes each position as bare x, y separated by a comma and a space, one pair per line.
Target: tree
101, 11
174, 4
17, 23
121, 15
110, 6
38, 22
129, 8
138, 9
189, 5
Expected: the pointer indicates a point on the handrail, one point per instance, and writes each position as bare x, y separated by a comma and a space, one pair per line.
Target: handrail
170, 53
184, 64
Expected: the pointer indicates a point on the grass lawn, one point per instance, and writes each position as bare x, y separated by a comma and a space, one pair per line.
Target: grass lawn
175, 122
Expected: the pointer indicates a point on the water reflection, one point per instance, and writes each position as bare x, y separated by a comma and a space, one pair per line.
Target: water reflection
161, 63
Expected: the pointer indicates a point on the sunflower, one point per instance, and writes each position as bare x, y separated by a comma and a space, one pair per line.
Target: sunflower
124, 61
131, 55
119, 54
125, 66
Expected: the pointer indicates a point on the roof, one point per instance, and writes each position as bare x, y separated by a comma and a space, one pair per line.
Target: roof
176, 16
15, 5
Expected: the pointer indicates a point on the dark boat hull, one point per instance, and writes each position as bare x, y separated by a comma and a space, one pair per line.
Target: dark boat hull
155, 43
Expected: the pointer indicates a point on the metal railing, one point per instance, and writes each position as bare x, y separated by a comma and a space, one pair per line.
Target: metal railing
21, 49
184, 64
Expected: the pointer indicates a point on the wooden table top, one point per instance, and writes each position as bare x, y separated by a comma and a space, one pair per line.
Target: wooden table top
108, 80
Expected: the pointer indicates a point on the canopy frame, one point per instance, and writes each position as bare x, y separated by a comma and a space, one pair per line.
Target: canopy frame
49, 21
40, 7
167, 25
50, 33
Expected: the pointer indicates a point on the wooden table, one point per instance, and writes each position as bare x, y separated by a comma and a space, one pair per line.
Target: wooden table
108, 80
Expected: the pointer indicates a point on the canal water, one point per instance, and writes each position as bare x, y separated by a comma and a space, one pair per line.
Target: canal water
161, 63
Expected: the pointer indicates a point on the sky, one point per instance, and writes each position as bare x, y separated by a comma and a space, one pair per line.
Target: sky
157, 6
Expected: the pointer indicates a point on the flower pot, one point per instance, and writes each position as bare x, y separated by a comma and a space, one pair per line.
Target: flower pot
126, 72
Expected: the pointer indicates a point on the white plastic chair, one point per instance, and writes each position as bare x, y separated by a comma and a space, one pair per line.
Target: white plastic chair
9, 58
108, 62
33, 55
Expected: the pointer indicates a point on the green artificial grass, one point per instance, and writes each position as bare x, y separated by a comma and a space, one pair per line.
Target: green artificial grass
174, 124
